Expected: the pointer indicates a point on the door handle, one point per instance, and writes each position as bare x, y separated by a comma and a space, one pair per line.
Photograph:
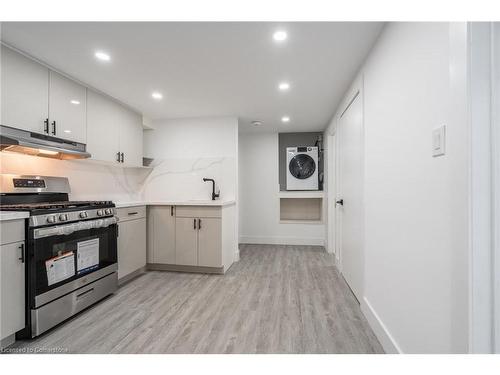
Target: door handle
123, 158
199, 223
194, 224
54, 127
340, 202
22, 253
118, 156
171, 210
46, 126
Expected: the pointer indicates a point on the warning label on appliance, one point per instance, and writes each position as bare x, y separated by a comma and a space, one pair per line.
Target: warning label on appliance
60, 268
87, 255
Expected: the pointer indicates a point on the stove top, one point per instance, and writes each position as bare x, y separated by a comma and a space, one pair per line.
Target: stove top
55, 206
47, 200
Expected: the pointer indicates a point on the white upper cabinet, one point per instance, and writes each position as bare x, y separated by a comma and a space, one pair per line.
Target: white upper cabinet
25, 92
114, 132
103, 126
67, 108
40, 100
131, 138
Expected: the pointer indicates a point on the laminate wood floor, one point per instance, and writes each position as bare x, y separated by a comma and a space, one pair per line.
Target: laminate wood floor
276, 299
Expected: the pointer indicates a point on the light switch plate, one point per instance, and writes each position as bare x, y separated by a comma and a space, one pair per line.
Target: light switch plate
438, 141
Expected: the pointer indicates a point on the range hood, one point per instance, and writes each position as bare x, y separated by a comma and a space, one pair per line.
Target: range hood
26, 142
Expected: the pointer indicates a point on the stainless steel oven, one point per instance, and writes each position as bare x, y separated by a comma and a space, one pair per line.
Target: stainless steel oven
71, 252
71, 267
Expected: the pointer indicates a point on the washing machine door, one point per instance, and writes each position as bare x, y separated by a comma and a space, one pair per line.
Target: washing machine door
302, 166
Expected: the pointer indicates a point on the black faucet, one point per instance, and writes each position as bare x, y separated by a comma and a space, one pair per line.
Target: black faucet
213, 188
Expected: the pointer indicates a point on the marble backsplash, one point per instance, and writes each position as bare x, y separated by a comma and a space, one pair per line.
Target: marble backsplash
168, 179
182, 179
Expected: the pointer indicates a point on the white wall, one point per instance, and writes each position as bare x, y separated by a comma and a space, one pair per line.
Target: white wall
416, 213
185, 151
88, 180
259, 200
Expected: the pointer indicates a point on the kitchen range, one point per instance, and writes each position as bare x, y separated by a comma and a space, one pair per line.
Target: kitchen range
70, 254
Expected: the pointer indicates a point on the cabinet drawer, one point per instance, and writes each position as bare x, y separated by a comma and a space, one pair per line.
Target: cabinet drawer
198, 211
131, 213
12, 231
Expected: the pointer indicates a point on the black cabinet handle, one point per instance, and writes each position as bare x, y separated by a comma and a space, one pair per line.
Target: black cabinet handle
171, 210
133, 213
199, 223
340, 202
194, 223
118, 156
46, 126
123, 158
22, 253
53, 127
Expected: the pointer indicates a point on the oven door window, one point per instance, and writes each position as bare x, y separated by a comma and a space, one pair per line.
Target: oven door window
60, 259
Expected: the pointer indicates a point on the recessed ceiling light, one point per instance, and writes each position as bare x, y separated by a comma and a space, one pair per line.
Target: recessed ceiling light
284, 86
157, 95
285, 119
257, 123
280, 36
75, 102
103, 56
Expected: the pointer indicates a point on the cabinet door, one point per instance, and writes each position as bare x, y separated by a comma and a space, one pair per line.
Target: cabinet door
186, 241
12, 289
131, 246
210, 242
67, 108
103, 127
162, 235
25, 92
131, 138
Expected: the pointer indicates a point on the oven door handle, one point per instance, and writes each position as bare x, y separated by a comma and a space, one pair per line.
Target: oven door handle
67, 229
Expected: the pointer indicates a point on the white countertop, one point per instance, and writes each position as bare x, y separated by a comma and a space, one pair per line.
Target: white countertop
194, 202
13, 215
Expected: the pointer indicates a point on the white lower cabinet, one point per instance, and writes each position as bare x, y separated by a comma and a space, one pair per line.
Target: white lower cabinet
161, 234
186, 241
131, 241
191, 238
12, 268
210, 242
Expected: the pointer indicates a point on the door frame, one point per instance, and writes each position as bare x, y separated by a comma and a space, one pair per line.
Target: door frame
331, 159
495, 180
484, 207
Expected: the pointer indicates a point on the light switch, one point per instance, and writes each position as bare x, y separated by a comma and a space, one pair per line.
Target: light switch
438, 141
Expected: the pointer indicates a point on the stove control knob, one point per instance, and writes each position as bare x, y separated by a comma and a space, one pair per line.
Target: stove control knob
108, 211
63, 217
83, 214
51, 219
100, 213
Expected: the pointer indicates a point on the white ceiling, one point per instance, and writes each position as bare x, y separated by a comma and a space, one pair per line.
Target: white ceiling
209, 69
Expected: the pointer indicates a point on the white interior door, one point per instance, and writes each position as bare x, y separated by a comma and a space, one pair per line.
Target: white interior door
351, 213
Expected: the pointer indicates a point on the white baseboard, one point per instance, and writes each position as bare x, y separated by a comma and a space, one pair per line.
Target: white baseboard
388, 343
237, 255
282, 240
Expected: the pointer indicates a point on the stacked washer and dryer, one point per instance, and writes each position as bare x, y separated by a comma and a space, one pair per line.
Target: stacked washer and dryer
302, 168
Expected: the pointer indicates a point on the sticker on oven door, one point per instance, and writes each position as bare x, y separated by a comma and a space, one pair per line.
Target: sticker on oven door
87, 255
60, 268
